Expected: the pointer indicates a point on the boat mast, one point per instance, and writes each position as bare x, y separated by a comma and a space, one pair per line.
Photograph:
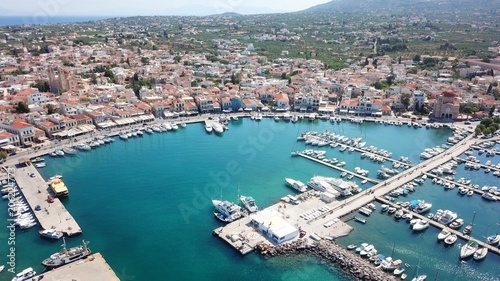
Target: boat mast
435, 279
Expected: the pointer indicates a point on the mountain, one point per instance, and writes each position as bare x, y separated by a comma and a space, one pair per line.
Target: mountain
401, 5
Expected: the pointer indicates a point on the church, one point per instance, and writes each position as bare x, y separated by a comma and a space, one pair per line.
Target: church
446, 106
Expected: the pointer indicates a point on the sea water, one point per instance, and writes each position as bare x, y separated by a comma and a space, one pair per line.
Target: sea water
145, 203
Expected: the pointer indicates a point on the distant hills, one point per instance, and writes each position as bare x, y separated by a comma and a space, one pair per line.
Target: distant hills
401, 5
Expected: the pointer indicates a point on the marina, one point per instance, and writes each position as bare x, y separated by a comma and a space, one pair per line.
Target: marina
322, 223
93, 267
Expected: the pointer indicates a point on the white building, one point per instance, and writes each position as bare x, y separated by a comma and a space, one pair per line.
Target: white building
273, 225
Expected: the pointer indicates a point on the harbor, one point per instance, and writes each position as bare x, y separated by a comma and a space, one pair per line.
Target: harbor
266, 191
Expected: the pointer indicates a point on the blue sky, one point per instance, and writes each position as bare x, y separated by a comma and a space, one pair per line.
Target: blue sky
53, 8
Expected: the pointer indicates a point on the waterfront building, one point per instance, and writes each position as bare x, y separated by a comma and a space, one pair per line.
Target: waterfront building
446, 106
274, 226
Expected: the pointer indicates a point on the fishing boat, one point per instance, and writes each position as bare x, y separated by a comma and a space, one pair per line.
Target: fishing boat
25, 274
51, 233
226, 211
451, 239
67, 256
249, 203
468, 249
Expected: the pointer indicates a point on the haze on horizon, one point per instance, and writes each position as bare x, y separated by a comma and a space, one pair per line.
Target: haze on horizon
58, 8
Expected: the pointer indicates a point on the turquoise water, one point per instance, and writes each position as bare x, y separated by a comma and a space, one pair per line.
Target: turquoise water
145, 203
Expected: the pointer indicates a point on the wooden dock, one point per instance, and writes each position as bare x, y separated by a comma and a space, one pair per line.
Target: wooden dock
35, 190
339, 168
436, 224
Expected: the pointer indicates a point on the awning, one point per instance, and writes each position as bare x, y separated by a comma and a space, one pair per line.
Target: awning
9, 147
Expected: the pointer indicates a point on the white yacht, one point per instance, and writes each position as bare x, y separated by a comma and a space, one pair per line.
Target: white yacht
167, 126
468, 249
25, 274
69, 150
123, 136
175, 126
423, 207
258, 117
447, 217
59, 152
443, 234
218, 127
51, 233
297, 185
208, 128
83, 146
249, 203
480, 253
226, 211
421, 225
451, 239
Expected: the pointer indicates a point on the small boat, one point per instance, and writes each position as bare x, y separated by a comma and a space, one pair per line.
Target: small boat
183, 125
51, 233
358, 219
399, 269
384, 207
352, 246
2, 267
226, 211
69, 150
37, 160
468, 249
123, 136
443, 234
249, 203
59, 152
25, 274
208, 128
84, 147
480, 253
421, 225
419, 278
451, 239
403, 276
40, 165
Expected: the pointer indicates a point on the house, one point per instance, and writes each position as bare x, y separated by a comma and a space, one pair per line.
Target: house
274, 225
281, 102
8, 139
249, 105
25, 131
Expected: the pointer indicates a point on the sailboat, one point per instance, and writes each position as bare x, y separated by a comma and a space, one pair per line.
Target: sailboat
421, 277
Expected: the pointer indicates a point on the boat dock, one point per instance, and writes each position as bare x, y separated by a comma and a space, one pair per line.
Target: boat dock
338, 168
478, 191
436, 224
496, 152
493, 168
94, 267
35, 190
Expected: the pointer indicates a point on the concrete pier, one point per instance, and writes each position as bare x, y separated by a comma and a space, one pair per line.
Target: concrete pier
52, 215
94, 267
338, 168
436, 224
478, 191
492, 168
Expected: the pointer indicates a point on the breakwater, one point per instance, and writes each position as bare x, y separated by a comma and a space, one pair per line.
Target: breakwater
328, 250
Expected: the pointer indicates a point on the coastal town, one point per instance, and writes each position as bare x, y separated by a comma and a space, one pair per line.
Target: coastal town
77, 86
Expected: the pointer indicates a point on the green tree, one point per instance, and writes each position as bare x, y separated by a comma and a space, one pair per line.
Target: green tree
492, 110
42, 86
486, 122
405, 100
177, 59
3, 155
477, 131
22, 107
50, 109
416, 58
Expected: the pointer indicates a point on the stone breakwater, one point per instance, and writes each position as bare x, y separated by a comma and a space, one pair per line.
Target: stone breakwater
328, 250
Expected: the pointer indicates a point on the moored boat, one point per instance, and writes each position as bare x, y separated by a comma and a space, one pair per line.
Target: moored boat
51, 233
249, 203
468, 249
297, 185
451, 239
67, 256
443, 234
25, 274
226, 211
480, 253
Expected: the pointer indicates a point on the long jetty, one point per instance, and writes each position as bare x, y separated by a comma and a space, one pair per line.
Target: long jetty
338, 168
436, 224
493, 168
475, 190
36, 191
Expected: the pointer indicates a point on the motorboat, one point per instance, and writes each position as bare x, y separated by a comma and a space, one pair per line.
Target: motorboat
25, 274
59, 152
123, 136
175, 126
384, 207
67, 256
37, 160
249, 203
421, 277
399, 269
493, 239
183, 125
208, 128
447, 217
421, 225
480, 253
443, 234
69, 150
456, 224
51, 233
468, 249
149, 130
217, 127
40, 165
361, 220
352, 246
297, 185
423, 207
83, 146
226, 211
